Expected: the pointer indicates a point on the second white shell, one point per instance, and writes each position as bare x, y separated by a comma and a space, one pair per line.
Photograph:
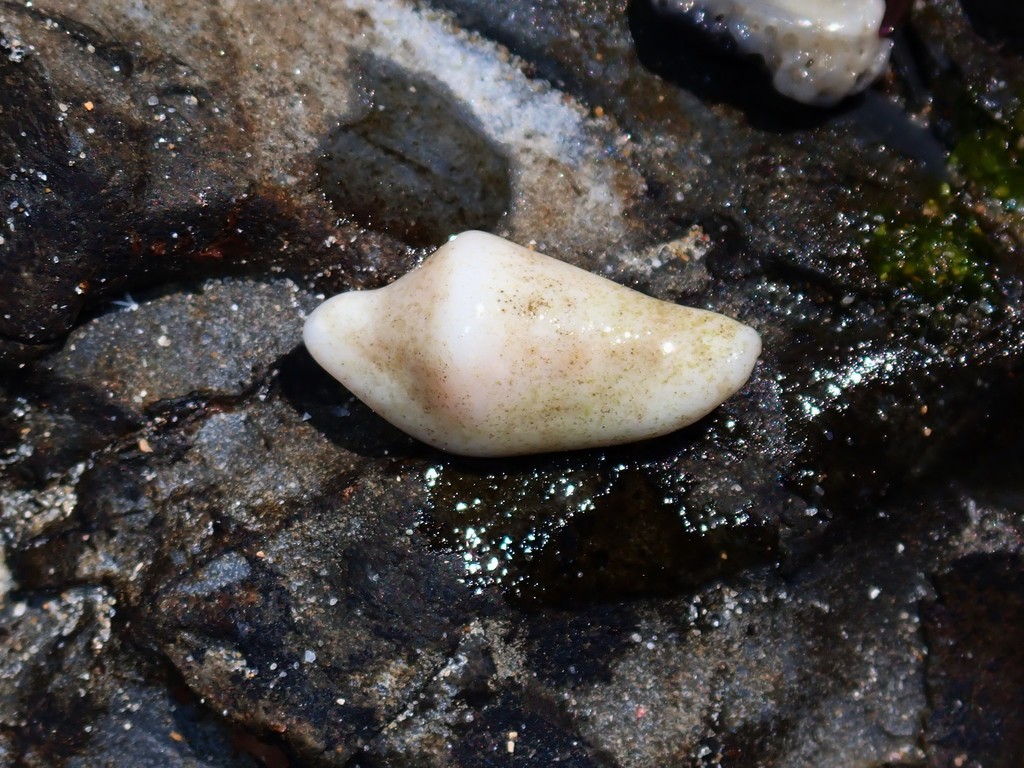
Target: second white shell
490, 349
819, 51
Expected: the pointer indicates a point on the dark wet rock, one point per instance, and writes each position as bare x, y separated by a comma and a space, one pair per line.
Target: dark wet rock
152, 726
121, 170
626, 519
231, 332
973, 627
54, 648
411, 165
131, 161
207, 539
958, 38
96, 393
998, 22
739, 669
73, 695
240, 553
51, 425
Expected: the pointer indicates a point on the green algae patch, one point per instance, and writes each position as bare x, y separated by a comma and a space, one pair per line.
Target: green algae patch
936, 258
989, 154
948, 250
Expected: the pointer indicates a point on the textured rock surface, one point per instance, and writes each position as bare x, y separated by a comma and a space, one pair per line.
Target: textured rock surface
214, 556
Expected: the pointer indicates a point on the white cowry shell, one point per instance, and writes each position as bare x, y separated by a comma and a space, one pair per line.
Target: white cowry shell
490, 349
